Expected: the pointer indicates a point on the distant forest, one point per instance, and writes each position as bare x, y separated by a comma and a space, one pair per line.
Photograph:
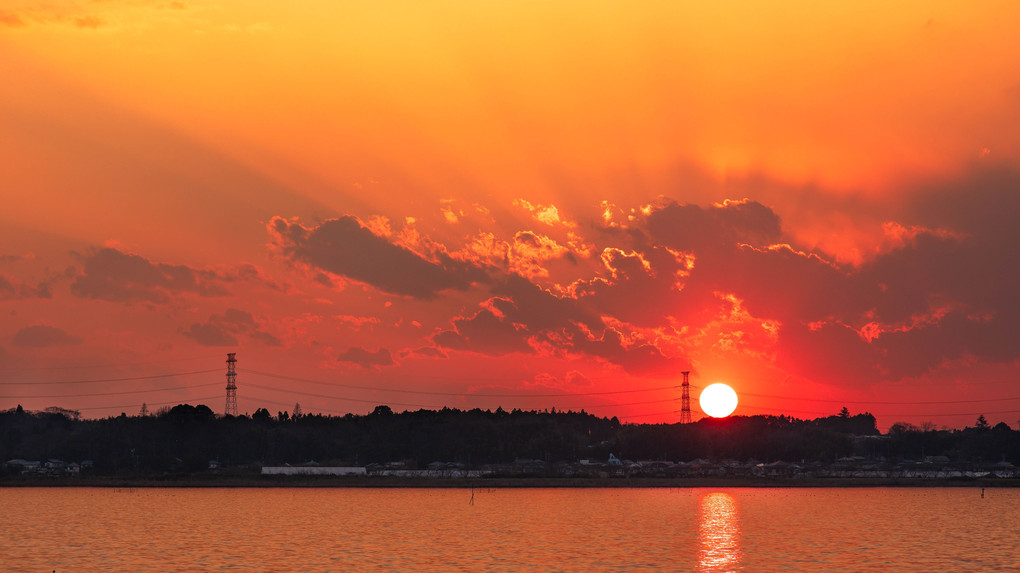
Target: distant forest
185, 438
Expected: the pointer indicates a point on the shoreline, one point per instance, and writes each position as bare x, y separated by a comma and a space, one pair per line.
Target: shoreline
383, 482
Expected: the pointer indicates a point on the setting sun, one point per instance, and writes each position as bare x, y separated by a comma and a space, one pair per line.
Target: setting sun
718, 400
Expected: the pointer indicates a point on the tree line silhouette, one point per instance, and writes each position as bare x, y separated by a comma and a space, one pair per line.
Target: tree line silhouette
186, 438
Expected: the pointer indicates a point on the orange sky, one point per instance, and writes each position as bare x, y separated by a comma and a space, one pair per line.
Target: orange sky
808, 202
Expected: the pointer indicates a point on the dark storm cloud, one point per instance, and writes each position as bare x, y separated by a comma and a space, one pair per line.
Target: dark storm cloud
366, 358
344, 247
41, 335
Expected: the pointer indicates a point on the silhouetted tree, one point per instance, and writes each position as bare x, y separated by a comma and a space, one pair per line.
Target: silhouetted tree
185, 438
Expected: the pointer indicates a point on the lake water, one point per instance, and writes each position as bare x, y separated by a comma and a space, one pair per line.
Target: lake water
729, 529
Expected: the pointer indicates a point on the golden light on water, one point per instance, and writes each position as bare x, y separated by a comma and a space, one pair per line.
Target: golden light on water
718, 532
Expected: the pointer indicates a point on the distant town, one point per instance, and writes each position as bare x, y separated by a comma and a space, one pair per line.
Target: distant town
183, 441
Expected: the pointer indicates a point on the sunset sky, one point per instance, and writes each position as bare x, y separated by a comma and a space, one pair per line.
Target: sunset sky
518, 204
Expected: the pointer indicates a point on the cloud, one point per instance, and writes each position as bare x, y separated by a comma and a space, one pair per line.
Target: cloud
636, 357
89, 22
485, 333
266, 338
938, 290
211, 334
12, 19
781, 283
724, 279
524, 318
22, 13
721, 227
428, 352
365, 358
41, 335
548, 214
526, 303
17, 258
41, 14
685, 255
112, 275
344, 247
639, 288
530, 250
941, 289
357, 322
247, 272
526, 254
944, 292
12, 289
519, 311
671, 261
224, 329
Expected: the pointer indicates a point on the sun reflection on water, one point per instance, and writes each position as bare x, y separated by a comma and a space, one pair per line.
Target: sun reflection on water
719, 533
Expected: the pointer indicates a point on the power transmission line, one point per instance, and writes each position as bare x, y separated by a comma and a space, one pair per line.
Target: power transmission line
883, 414
108, 365
314, 395
459, 394
670, 413
126, 379
344, 398
116, 393
518, 396
139, 404
798, 399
